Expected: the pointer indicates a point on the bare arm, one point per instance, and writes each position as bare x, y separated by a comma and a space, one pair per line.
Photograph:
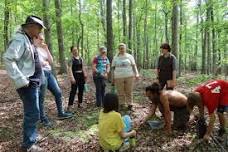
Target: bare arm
50, 58
70, 73
108, 68
127, 134
167, 113
210, 125
84, 69
135, 69
150, 114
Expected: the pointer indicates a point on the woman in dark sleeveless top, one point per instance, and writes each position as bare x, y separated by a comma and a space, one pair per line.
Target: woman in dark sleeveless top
77, 76
166, 68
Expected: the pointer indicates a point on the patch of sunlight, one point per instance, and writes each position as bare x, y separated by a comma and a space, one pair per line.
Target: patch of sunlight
83, 135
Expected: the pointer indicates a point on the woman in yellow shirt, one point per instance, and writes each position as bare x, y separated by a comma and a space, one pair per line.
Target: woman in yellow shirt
111, 126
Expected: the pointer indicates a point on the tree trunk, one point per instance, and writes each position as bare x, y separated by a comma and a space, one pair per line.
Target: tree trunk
175, 28
166, 28
58, 12
208, 35
109, 30
180, 37
214, 48
146, 52
118, 20
155, 34
82, 28
204, 50
6, 27
102, 14
47, 31
130, 26
124, 21
98, 31
194, 66
166, 12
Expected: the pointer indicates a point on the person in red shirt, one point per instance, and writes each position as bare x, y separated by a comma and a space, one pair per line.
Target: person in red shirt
212, 95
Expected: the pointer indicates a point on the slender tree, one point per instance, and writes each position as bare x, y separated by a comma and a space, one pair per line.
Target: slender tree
47, 31
82, 27
102, 14
124, 21
175, 28
130, 26
58, 12
180, 37
109, 29
6, 25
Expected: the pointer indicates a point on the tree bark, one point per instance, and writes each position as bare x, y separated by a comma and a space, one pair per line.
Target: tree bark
47, 31
82, 28
175, 28
118, 20
124, 21
102, 14
214, 48
146, 50
208, 35
130, 26
109, 30
6, 27
180, 37
58, 12
166, 12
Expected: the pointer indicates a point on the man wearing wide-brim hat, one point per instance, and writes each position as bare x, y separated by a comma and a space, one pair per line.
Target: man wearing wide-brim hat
23, 66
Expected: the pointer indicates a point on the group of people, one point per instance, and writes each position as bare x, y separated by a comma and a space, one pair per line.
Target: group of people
28, 62
212, 95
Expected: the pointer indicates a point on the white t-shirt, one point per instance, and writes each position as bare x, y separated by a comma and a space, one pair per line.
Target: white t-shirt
43, 56
123, 66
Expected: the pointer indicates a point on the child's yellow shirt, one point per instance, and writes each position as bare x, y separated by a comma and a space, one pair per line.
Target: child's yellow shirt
109, 127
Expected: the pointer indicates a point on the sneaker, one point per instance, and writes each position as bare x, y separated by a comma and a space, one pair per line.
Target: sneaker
65, 115
33, 148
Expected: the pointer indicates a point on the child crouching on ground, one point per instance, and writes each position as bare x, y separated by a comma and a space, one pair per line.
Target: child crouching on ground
111, 126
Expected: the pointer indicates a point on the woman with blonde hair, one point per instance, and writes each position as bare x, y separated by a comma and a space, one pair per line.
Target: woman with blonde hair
124, 70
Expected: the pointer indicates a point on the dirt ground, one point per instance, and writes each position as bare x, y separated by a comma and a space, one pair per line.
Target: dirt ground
79, 133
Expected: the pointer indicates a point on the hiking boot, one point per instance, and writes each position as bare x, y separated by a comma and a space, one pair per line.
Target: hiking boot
65, 115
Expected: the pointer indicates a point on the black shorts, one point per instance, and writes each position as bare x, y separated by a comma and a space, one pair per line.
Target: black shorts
181, 117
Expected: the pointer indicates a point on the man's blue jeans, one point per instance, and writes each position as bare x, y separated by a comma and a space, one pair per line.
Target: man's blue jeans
30, 98
100, 89
52, 85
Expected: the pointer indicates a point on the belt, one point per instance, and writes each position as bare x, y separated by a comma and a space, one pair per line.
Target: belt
78, 71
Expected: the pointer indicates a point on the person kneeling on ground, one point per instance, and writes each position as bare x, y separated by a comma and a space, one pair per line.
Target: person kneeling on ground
167, 101
213, 94
111, 126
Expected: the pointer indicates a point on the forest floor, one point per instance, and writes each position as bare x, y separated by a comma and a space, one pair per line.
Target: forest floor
79, 134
